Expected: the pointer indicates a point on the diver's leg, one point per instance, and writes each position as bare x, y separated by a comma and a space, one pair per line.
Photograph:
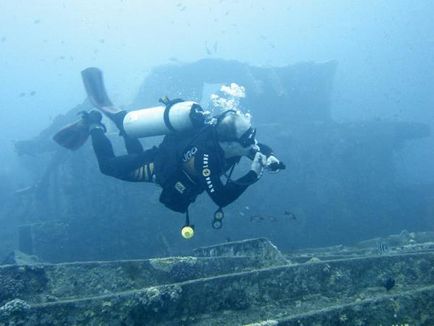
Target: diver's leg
132, 144
122, 167
103, 149
97, 94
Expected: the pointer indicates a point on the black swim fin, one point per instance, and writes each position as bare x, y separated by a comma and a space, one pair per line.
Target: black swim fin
73, 136
96, 92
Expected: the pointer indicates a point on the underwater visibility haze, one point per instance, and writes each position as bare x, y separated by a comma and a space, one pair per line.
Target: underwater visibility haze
334, 114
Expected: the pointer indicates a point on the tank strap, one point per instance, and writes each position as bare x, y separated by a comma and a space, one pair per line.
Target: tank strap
169, 103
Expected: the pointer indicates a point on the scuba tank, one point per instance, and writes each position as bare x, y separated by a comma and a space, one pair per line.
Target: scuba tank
175, 116
171, 117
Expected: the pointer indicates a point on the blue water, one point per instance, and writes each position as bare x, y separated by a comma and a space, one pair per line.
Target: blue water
345, 189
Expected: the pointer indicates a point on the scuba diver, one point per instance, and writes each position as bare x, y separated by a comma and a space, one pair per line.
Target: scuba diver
193, 156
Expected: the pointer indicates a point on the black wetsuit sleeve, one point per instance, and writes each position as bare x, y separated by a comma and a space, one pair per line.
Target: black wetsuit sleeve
208, 169
264, 149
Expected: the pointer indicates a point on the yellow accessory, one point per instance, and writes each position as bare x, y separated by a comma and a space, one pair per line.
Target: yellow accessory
187, 232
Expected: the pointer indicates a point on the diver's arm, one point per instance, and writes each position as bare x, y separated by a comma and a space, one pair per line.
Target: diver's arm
264, 149
221, 194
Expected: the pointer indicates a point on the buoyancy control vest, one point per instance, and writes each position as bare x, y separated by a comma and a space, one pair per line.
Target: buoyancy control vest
181, 122
179, 188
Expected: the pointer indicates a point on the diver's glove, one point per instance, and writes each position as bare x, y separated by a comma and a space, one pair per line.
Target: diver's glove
258, 164
273, 164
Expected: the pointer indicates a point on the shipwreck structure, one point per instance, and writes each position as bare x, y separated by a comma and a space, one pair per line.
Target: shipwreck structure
340, 184
247, 283
95, 251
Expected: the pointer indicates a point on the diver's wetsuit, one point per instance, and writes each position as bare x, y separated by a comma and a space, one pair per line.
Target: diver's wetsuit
205, 163
136, 166
199, 162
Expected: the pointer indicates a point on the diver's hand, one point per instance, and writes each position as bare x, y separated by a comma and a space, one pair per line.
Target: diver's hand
258, 164
273, 164
272, 160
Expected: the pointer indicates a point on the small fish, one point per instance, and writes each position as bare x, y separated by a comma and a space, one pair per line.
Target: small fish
22, 94
101, 41
272, 219
36, 21
32, 93
256, 218
24, 190
181, 6
389, 283
261, 218
290, 215
208, 51
3, 39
